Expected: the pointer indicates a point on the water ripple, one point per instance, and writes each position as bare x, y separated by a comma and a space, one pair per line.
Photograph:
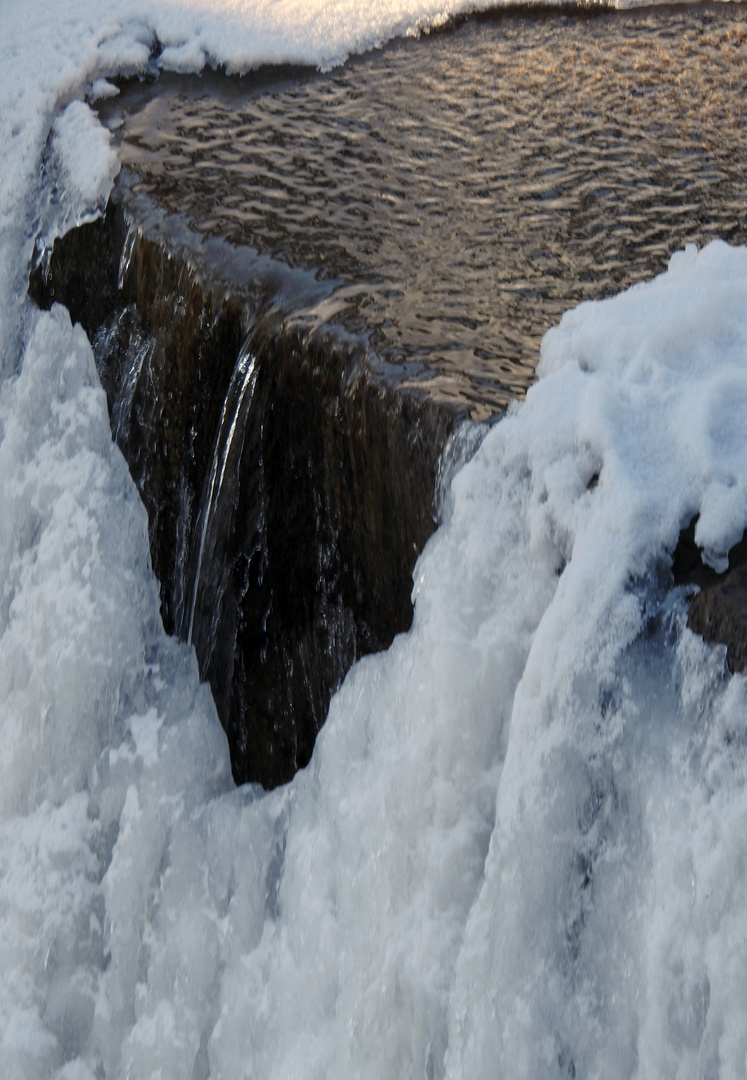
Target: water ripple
473, 185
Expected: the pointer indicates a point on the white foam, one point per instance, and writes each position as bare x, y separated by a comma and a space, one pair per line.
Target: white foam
520, 845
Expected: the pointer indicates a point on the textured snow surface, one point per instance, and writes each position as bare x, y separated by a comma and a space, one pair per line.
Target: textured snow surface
520, 848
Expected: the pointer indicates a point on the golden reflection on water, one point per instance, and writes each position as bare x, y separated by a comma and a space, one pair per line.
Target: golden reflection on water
474, 185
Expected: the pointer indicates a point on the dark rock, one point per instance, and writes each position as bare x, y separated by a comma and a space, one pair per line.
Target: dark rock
718, 612
289, 485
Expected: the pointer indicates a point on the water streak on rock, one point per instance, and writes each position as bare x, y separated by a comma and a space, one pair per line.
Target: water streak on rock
242, 381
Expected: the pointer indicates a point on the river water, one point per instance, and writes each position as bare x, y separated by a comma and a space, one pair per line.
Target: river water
467, 191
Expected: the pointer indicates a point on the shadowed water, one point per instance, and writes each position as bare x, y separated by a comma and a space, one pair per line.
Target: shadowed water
467, 192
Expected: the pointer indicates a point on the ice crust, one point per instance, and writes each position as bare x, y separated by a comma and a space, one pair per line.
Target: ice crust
520, 848
78, 173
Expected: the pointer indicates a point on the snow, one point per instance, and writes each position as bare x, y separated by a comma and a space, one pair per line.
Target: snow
519, 848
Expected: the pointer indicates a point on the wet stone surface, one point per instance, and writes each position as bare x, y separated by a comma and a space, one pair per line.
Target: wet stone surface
289, 486
718, 611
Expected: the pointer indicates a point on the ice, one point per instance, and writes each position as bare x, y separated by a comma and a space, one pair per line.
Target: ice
601, 960
519, 848
80, 170
101, 89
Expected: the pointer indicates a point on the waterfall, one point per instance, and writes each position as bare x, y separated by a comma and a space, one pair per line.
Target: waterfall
233, 418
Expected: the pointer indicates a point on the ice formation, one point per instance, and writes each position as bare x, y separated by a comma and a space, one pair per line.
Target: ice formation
520, 847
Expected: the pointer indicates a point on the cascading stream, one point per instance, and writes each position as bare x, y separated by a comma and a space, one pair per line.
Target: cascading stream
233, 416
139, 356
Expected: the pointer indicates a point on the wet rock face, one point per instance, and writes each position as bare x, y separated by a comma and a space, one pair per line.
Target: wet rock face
718, 612
289, 488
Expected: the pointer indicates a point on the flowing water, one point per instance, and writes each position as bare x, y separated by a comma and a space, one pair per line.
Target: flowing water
465, 193
241, 382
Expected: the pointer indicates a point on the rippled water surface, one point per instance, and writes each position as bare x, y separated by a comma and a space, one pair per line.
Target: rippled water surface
467, 188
